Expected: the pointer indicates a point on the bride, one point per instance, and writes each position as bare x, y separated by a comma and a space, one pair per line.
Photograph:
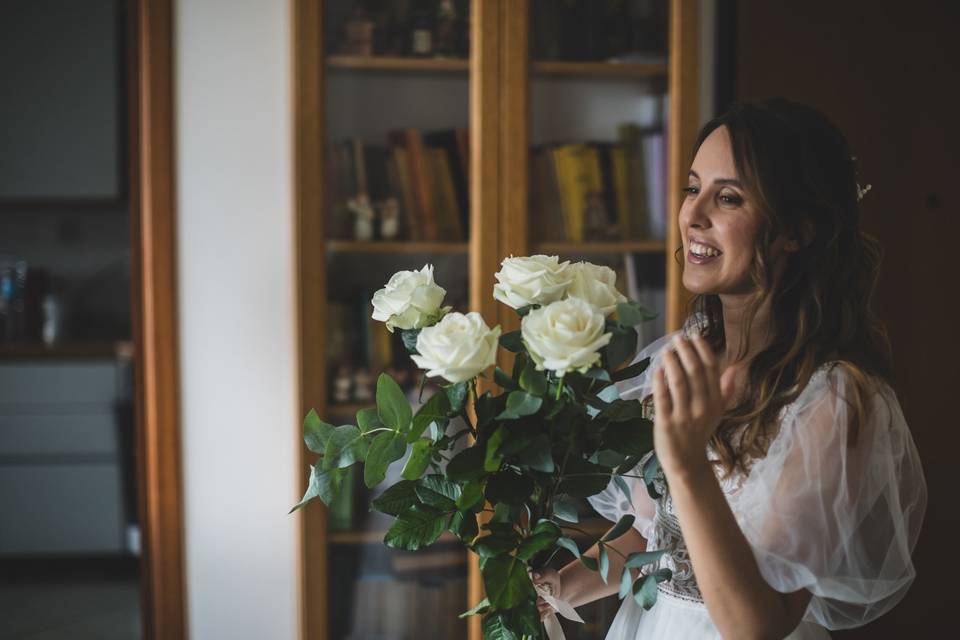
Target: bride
791, 493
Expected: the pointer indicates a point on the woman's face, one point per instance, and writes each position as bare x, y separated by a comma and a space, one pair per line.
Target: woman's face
718, 222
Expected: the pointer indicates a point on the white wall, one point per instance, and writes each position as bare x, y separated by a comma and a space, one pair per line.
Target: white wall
237, 314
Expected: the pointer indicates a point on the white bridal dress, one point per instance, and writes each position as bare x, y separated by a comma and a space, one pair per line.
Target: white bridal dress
820, 515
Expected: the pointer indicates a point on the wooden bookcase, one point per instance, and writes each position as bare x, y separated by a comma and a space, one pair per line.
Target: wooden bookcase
509, 103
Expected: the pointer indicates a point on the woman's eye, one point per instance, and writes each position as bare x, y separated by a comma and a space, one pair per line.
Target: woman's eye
734, 200
691, 191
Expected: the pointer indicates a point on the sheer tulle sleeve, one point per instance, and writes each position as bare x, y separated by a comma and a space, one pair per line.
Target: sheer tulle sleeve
835, 512
611, 503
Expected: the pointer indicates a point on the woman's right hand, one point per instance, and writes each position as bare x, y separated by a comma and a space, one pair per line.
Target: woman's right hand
550, 579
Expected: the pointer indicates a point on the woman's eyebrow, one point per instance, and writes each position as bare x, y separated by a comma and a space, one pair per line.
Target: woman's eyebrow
733, 182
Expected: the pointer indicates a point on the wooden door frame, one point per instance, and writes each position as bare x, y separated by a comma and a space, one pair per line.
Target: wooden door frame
155, 321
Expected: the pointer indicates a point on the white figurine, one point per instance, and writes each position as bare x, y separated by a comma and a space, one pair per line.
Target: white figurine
361, 208
389, 219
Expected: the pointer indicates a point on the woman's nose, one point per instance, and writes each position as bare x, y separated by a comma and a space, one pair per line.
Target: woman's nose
695, 213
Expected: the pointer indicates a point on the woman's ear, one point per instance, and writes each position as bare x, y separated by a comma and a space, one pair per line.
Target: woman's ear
806, 232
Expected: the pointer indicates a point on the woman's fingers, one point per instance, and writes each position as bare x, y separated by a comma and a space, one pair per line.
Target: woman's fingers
676, 381
710, 364
700, 392
662, 405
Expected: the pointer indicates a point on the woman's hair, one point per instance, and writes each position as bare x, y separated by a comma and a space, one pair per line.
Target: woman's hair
798, 167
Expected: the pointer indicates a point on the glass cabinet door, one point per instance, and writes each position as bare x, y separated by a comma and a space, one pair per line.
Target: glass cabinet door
395, 136
597, 168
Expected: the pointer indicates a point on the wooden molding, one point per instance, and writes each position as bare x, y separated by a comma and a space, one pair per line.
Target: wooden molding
153, 232
683, 121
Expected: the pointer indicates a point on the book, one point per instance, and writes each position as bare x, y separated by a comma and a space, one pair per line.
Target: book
408, 204
448, 216
453, 142
417, 164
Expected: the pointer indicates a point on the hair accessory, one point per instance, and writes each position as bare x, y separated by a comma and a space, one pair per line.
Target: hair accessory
862, 191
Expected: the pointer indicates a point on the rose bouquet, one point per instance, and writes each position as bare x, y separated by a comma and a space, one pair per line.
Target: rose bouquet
507, 481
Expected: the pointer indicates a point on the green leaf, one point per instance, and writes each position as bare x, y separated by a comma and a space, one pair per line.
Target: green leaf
537, 455
487, 407
628, 315
416, 528
645, 591
495, 626
492, 459
385, 448
623, 410
481, 607
512, 341
397, 498
622, 346
583, 479
368, 419
570, 545
509, 487
503, 379
495, 545
524, 620
544, 535
464, 525
650, 469
323, 484
316, 432
632, 437
467, 465
624, 488
506, 581
590, 563
409, 337
598, 373
436, 409
623, 525
438, 492
345, 445
642, 558
626, 582
565, 509
533, 381
519, 404
392, 405
603, 562
419, 459
632, 371
457, 396
662, 575
471, 496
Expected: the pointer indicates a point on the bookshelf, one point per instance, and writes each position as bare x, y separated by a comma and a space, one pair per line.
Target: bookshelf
368, 121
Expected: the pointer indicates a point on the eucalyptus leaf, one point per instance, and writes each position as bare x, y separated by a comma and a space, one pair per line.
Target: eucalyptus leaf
603, 562
487, 407
536, 455
397, 499
624, 488
650, 469
409, 337
533, 381
323, 484
512, 341
630, 437
663, 575
392, 404
492, 459
416, 528
623, 525
628, 315
570, 545
590, 563
436, 409
368, 419
598, 373
626, 583
385, 448
506, 581
467, 465
645, 591
345, 445
565, 509
457, 396
643, 558
316, 432
582, 479
623, 410
519, 404
419, 460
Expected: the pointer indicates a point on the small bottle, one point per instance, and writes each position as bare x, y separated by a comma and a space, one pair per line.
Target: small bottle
50, 330
421, 30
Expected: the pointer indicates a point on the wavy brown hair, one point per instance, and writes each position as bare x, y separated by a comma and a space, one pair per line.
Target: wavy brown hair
798, 167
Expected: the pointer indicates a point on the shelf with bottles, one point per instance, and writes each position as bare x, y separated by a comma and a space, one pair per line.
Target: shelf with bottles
391, 246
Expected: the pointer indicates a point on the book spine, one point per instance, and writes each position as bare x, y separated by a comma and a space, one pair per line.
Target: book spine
420, 179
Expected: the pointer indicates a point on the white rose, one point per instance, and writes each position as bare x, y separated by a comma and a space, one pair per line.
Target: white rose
565, 335
531, 280
597, 285
410, 300
458, 347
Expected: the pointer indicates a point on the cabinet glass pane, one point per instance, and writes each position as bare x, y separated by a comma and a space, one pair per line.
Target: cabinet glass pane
598, 164
395, 197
